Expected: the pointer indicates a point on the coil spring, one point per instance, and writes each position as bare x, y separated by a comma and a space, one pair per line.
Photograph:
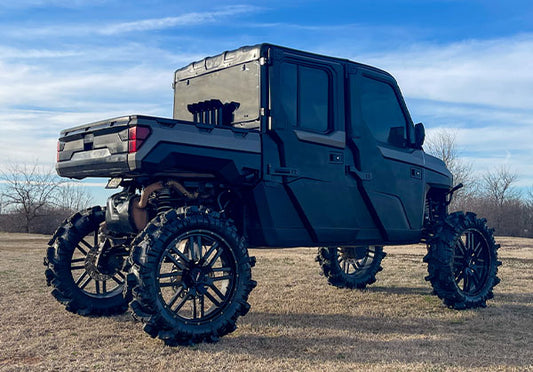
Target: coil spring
164, 200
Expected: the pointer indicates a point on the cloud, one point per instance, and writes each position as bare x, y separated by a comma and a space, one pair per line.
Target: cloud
493, 72
32, 53
35, 86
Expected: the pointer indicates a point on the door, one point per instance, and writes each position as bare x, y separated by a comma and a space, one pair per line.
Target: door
307, 127
389, 168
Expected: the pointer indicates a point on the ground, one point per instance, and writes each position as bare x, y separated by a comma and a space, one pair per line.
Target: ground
297, 321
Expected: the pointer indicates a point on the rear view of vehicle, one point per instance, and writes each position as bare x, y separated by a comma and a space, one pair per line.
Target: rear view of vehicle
268, 146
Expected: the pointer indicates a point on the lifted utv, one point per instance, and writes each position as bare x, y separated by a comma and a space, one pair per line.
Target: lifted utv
268, 146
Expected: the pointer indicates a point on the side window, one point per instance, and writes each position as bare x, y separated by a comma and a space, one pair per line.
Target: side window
289, 92
305, 96
382, 112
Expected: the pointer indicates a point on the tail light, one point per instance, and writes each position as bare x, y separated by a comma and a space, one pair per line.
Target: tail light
136, 137
60, 147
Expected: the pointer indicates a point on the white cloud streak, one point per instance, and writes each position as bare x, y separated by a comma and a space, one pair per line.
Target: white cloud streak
188, 19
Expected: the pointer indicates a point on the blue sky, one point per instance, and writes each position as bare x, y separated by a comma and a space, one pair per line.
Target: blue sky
462, 65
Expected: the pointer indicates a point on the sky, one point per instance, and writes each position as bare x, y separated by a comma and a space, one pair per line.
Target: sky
465, 66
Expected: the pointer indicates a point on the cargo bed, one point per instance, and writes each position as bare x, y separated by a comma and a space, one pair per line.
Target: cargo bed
138, 145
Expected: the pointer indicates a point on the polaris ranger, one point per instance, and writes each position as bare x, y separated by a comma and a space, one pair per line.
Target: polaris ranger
271, 147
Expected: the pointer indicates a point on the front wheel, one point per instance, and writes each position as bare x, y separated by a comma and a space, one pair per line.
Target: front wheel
192, 276
350, 267
462, 261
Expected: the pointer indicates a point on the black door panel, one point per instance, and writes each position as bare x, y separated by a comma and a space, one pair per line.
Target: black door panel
392, 174
312, 156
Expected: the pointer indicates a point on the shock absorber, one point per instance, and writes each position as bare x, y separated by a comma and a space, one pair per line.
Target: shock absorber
164, 200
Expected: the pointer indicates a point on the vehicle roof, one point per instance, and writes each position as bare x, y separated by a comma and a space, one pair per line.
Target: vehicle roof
252, 53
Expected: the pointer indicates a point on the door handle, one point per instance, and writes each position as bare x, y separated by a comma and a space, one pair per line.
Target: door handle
283, 171
363, 176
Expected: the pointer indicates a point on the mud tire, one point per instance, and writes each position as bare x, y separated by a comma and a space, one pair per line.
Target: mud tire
463, 262
167, 300
74, 279
355, 270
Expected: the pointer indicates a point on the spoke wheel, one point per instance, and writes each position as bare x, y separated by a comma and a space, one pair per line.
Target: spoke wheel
72, 268
471, 262
462, 262
197, 275
351, 267
191, 275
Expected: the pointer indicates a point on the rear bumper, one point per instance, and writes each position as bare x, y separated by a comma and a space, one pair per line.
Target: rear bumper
109, 166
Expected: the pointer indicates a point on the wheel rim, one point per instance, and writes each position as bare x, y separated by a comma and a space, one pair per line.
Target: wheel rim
196, 276
355, 261
85, 273
471, 262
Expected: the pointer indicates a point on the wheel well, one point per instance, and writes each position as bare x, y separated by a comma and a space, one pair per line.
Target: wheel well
142, 200
436, 208
212, 194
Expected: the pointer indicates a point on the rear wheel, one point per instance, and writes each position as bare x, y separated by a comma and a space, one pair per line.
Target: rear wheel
71, 260
351, 267
192, 276
462, 261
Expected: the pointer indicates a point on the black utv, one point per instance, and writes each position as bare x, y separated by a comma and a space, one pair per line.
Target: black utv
268, 146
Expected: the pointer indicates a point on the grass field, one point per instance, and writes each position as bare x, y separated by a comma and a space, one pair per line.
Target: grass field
297, 321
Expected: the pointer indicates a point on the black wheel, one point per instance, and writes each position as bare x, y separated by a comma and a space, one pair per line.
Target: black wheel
462, 261
192, 276
351, 267
72, 270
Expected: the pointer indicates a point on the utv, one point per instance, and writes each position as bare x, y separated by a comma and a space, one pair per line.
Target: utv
271, 147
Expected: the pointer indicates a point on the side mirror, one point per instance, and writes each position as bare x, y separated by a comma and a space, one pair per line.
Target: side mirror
420, 135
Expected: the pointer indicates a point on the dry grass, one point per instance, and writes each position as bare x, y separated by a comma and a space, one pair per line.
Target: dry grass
297, 321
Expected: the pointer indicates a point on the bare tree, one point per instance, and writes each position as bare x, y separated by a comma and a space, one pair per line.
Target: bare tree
498, 185
33, 191
504, 202
72, 196
442, 144
529, 196
28, 190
